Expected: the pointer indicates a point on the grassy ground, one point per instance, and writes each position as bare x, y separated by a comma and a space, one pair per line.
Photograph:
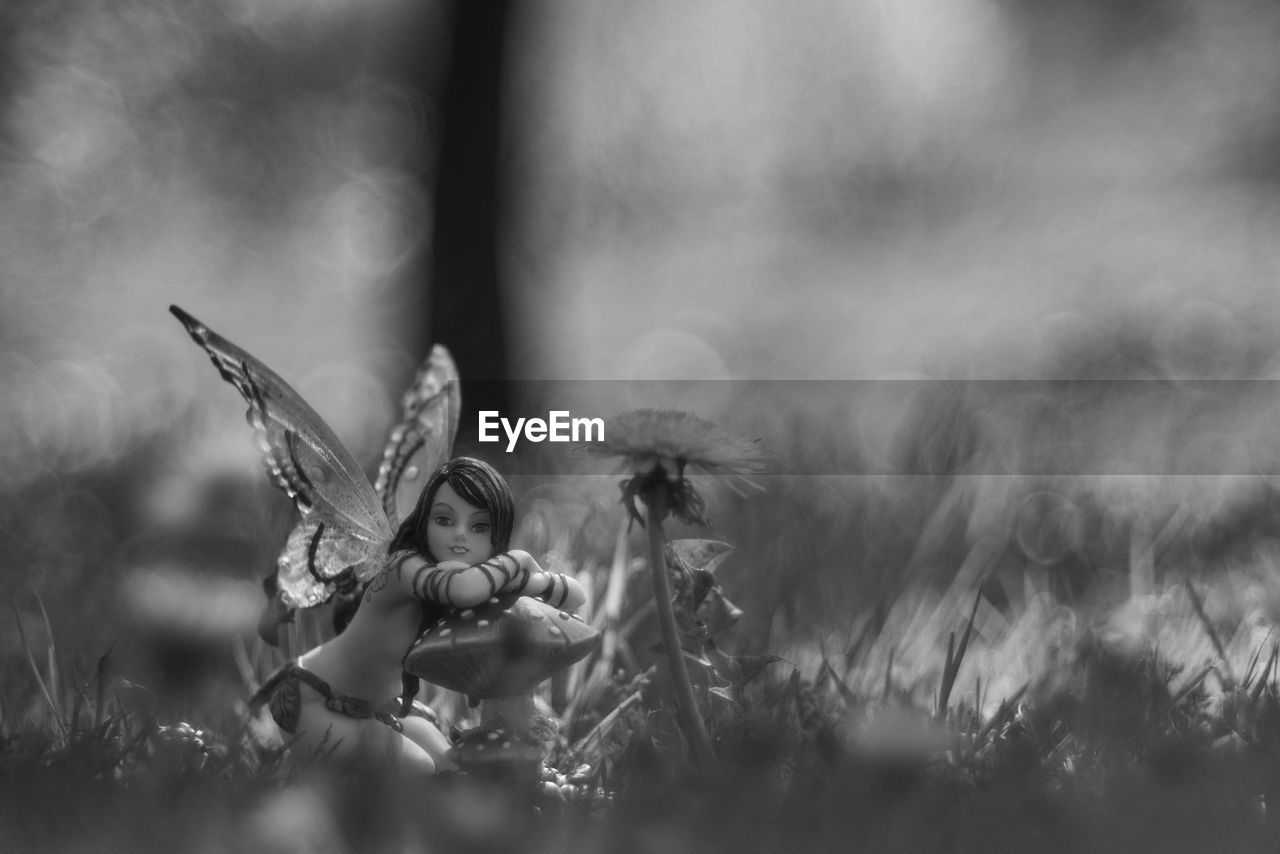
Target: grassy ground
1110, 746
805, 765
944, 660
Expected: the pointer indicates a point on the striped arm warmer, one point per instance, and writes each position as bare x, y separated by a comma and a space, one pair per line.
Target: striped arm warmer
502, 572
557, 592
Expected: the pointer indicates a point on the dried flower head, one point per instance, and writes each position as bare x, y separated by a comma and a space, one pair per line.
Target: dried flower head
660, 445
649, 437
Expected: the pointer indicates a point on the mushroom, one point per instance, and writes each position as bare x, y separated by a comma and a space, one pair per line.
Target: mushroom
498, 652
493, 752
501, 648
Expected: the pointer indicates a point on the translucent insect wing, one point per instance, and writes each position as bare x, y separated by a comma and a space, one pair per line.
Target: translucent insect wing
301, 452
423, 439
319, 559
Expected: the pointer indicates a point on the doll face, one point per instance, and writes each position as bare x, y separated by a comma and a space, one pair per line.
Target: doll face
458, 530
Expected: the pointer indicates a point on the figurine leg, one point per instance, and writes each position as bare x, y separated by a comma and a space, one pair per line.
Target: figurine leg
331, 738
425, 734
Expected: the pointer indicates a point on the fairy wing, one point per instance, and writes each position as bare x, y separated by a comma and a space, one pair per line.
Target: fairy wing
423, 438
343, 529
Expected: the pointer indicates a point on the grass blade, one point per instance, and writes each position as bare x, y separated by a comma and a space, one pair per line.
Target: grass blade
951, 667
51, 656
77, 705
99, 708
44, 690
1005, 711
846, 693
875, 623
1264, 678
1192, 684
1218, 646
578, 751
888, 674
944, 690
1248, 671
605, 620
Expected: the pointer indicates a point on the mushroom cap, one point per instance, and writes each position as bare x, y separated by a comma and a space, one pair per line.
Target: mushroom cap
501, 648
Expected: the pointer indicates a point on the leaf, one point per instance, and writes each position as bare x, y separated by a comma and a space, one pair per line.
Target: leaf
751, 666
700, 660
286, 705
698, 553
723, 693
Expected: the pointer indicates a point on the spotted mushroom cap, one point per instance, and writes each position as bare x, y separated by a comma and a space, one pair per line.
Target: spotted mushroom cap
501, 648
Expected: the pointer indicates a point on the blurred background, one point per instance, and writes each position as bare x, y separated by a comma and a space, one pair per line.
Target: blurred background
923, 190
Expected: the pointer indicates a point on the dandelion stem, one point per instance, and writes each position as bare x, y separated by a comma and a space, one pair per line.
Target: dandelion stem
695, 732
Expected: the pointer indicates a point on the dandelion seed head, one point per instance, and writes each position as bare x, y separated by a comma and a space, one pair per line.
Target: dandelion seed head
659, 446
646, 438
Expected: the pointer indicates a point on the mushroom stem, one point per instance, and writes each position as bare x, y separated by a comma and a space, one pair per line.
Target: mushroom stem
517, 715
511, 741
695, 732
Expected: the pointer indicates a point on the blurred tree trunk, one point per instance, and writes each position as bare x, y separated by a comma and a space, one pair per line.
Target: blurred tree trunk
465, 306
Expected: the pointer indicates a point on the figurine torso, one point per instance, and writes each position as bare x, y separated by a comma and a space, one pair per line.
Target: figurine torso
366, 659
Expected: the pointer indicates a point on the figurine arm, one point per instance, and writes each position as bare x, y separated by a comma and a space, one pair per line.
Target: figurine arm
460, 586
529, 579
557, 590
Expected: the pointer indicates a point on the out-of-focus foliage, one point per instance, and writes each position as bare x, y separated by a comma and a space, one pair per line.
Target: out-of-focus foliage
834, 189
253, 154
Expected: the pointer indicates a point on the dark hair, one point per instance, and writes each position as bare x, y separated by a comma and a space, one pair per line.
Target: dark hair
476, 482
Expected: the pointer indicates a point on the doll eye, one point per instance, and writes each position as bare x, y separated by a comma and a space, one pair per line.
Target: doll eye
481, 527
442, 520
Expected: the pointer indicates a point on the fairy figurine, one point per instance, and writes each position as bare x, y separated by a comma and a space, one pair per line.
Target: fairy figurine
448, 555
